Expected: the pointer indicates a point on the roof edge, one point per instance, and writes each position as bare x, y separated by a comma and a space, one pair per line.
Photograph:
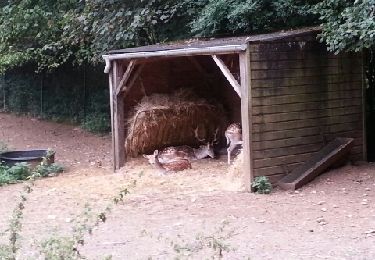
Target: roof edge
227, 49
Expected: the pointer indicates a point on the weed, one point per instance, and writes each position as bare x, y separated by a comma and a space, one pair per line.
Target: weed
67, 247
45, 170
262, 185
9, 251
212, 246
3, 147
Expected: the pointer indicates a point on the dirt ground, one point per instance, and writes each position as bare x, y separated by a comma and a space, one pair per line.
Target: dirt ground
333, 217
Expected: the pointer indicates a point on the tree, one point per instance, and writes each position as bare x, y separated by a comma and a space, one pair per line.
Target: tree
347, 25
233, 17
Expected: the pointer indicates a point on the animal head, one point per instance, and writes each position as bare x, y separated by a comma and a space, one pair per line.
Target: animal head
151, 158
207, 149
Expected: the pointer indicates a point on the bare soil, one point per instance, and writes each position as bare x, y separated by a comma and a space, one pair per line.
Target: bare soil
333, 217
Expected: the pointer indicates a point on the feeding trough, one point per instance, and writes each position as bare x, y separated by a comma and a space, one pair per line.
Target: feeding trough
32, 157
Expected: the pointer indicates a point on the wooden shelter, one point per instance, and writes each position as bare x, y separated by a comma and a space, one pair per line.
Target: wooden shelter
290, 94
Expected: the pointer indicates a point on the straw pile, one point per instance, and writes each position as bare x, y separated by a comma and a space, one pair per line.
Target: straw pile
235, 172
236, 168
162, 120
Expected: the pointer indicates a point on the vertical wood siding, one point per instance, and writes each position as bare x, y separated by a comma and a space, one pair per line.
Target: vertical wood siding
303, 97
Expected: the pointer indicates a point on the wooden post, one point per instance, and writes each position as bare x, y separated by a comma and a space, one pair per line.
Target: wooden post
111, 91
118, 134
246, 117
364, 116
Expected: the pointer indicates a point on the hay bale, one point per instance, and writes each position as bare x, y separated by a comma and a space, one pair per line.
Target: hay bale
162, 120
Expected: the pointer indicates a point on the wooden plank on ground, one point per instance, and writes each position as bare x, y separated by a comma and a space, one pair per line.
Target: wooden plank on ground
333, 152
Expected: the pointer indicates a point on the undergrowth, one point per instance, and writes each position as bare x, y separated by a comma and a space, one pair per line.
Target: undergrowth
262, 185
23, 171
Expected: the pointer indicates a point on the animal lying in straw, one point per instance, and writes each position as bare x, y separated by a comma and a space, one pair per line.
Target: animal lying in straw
178, 164
233, 134
185, 152
172, 153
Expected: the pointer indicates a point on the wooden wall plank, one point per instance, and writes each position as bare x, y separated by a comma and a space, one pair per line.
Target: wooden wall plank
302, 98
277, 152
300, 64
288, 81
303, 72
305, 89
313, 105
345, 121
307, 114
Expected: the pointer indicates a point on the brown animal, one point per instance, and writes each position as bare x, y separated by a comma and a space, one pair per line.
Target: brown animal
173, 166
233, 135
172, 153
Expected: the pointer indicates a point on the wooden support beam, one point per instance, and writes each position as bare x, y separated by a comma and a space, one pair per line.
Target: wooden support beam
228, 75
126, 76
246, 118
118, 134
111, 86
130, 84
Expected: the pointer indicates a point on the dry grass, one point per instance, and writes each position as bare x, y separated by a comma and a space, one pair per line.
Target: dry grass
162, 120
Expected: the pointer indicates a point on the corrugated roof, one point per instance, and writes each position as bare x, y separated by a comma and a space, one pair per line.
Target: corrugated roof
218, 42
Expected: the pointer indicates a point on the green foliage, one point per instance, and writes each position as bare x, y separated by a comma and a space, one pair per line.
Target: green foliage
222, 17
97, 123
53, 33
22, 171
5, 252
66, 95
57, 248
262, 185
67, 247
347, 25
44, 170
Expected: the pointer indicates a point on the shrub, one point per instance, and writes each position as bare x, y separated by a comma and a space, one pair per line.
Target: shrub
262, 185
44, 170
22, 171
97, 123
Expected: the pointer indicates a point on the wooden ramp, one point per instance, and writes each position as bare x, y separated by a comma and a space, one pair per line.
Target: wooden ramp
332, 153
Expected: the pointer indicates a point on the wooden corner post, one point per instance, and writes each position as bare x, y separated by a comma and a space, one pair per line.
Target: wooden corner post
117, 113
246, 117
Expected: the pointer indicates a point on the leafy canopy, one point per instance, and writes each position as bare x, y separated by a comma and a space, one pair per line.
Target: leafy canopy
347, 25
49, 33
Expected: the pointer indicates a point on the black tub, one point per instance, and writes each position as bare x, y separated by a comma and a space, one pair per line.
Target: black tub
32, 157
